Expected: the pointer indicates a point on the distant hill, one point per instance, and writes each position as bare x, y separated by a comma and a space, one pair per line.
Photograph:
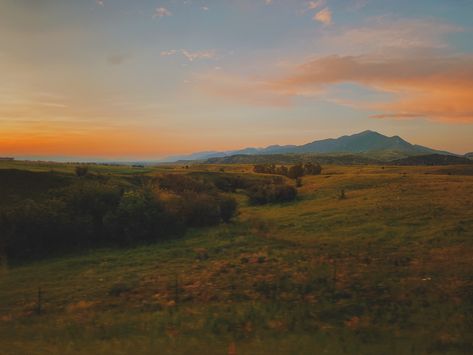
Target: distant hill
469, 155
432, 159
368, 143
343, 159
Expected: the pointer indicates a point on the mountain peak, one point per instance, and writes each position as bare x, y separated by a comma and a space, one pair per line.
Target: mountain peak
367, 141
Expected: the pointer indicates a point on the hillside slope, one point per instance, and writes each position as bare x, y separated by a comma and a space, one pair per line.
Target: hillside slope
366, 142
432, 159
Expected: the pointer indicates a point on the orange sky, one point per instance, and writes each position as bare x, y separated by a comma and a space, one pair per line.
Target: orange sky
120, 79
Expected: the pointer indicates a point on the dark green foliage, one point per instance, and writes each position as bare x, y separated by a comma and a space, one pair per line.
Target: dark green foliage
271, 193
142, 216
293, 172
96, 212
179, 183
71, 217
33, 227
21, 184
312, 169
81, 170
200, 210
296, 171
230, 183
228, 208
282, 170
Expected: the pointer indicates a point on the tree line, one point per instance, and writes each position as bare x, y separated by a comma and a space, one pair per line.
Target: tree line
91, 212
94, 210
292, 172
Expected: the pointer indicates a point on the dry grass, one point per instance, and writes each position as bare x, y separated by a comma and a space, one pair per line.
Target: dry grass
386, 270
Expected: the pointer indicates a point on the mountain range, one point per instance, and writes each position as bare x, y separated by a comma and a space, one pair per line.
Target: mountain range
367, 143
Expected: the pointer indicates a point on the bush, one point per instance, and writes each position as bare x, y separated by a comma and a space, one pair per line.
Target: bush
271, 193
32, 229
228, 208
295, 171
180, 183
200, 210
81, 171
312, 169
142, 216
92, 213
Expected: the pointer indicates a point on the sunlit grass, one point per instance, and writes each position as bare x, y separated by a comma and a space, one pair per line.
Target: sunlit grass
385, 270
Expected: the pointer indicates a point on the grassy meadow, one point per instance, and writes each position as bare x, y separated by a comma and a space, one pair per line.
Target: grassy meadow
385, 269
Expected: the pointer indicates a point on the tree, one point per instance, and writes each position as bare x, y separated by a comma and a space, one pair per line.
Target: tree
312, 169
296, 171
282, 170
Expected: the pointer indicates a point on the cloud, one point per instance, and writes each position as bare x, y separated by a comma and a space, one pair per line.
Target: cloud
437, 88
324, 16
380, 34
421, 86
268, 2
169, 53
191, 55
234, 88
312, 5
101, 3
160, 12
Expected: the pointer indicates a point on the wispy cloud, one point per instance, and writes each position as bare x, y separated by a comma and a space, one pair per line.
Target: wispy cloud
324, 16
312, 5
191, 55
160, 12
438, 88
381, 34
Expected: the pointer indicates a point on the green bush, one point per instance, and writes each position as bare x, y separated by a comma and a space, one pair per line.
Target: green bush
90, 213
271, 193
228, 208
142, 216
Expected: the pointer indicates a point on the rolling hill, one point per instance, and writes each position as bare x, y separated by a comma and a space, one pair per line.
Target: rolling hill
370, 144
432, 159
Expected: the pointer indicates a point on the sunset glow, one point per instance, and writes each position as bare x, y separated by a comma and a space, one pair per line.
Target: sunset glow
121, 79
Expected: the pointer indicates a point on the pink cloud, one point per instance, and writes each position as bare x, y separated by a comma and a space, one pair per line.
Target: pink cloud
438, 88
324, 16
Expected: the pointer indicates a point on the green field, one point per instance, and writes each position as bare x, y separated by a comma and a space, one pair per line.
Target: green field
386, 270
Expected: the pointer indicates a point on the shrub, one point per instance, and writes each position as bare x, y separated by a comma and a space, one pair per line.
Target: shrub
228, 208
312, 169
180, 183
32, 229
295, 171
292, 172
81, 171
200, 210
142, 216
91, 212
271, 193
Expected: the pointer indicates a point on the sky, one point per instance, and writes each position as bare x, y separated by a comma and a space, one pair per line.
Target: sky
144, 79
